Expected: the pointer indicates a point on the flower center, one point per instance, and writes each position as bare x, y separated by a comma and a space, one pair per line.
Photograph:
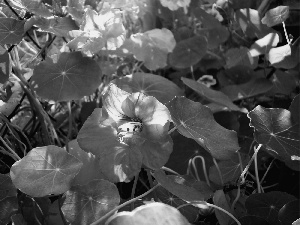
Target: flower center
128, 129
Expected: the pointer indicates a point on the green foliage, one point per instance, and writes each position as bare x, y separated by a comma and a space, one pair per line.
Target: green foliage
188, 102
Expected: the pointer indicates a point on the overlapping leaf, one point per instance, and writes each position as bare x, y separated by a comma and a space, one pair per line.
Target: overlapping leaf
267, 205
151, 47
185, 189
250, 22
244, 58
286, 56
210, 94
152, 213
86, 203
72, 77
188, 52
5, 66
8, 207
36, 7
276, 16
196, 121
149, 84
11, 31
44, 171
220, 200
263, 45
275, 129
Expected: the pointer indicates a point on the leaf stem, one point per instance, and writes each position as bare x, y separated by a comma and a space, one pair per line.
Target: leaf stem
256, 172
9, 149
107, 215
285, 33
133, 190
173, 129
169, 170
70, 125
203, 166
219, 171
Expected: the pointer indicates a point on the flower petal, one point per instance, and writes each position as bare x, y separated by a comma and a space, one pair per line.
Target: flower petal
112, 101
156, 154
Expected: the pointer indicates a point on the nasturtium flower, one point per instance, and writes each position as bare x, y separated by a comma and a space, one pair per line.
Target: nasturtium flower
129, 131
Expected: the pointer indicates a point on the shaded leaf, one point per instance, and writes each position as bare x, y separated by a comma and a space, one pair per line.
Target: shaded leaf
5, 66
245, 58
188, 52
7, 189
286, 56
193, 120
283, 82
18, 219
72, 77
207, 20
8, 207
11, 31
90, 168
86, 203
276, 15
263, 45
44, 171
149, 214
289, 212
215, 36
149, 84
187, 190
151, 47
210, 94
230, 170
275, 129
267, 205
220, 200
55, 214
294, 109
252, 220
250, 22
252, 88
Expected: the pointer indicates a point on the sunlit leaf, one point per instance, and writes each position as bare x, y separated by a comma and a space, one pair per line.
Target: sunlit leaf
8, 207
44, 171
188, 52
245, 58
149, 84
175, 4
149, 214
90, 168
7, 189
220, 200
275, 129
196, 121
11, 31
286, 56
263, 45
72, 77
289, 212
151, 47
250, 22
5, 66
252, 88
267, 205
36, 7
230, 170
210, 94
276, 16
60, 26
86, 203
187, 190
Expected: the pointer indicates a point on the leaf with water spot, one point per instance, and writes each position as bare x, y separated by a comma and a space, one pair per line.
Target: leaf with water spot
193, 120
85, 204
72, 77
44, 171
275, 129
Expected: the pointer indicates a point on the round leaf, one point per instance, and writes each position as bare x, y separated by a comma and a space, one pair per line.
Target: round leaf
188, 52
152, 213
149, 84
276, 16
87, 203
71, 78
193, 120
11, 31
267, 205
45, 170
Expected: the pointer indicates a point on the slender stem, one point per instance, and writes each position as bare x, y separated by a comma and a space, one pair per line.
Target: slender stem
9, 149
169, 170
107, 215
188, 170
11, 9
264, 4
195, 169
213, 206
219, 171
133, 190
173, 129
256, 173
238, 194
70, 125
204, 168
285, 33
264, 176
192, 71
